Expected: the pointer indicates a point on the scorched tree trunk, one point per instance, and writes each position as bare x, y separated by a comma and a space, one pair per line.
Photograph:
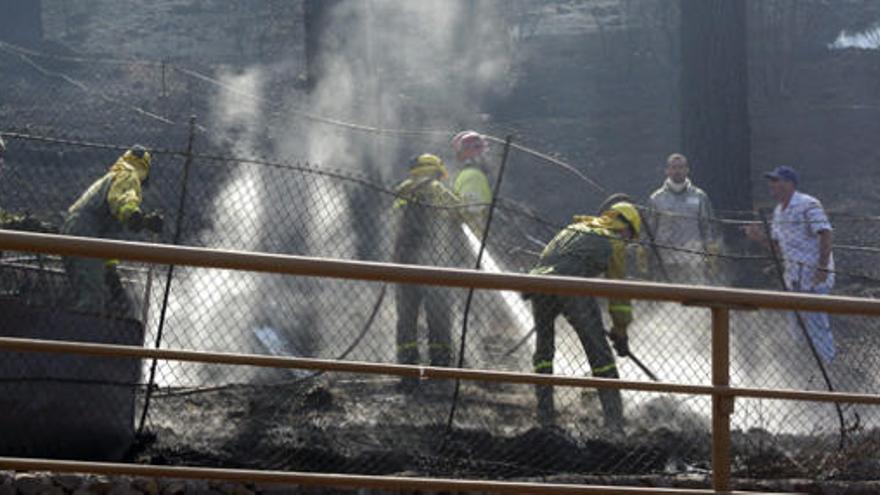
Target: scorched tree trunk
714, 100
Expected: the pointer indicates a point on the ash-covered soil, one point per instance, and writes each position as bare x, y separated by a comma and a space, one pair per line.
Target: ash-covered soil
368, 426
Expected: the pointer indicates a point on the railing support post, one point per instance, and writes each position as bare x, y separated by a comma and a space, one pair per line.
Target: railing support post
722, 404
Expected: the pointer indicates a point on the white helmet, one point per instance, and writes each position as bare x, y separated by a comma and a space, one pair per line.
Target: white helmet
469, 144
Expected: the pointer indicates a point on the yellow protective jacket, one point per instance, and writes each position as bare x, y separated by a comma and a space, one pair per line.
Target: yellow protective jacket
472, 186
110, 201
424, 190
430, 225
587, 248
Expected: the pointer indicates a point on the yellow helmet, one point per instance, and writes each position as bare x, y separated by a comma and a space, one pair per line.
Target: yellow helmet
428, 164
629, 214
139, 158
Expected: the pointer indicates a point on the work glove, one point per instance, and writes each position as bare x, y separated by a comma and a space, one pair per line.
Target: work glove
154, 222
620, 341
135, 221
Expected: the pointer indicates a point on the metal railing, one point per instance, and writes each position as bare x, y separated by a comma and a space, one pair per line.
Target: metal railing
720, 301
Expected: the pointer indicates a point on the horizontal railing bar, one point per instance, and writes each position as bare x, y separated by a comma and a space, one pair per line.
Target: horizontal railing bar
331, 480
424, 372
413, 274
290, 362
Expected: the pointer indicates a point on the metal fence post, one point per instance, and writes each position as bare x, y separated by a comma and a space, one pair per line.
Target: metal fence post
170, 276
164, 92
722, 404
496, 191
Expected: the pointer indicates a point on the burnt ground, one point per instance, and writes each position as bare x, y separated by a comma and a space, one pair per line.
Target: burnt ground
369, 427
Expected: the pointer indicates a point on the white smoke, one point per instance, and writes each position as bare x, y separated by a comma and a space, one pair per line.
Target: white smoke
868, 39
403, 64
203, 302
392, 64
398, 64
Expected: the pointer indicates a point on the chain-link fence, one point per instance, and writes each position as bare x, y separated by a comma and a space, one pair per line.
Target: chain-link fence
239, 416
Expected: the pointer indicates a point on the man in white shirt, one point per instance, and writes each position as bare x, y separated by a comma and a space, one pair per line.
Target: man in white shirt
802, 235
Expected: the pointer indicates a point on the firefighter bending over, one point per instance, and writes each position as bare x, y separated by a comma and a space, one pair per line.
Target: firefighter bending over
587, 248
110, 205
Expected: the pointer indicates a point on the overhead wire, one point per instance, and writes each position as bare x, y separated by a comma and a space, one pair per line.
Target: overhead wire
83, 86
505, 204
354, 126
347, 175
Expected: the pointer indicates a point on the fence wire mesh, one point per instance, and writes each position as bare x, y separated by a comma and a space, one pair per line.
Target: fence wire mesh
237, 199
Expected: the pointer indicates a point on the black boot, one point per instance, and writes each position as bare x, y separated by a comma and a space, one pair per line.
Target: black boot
546, 408
612, 407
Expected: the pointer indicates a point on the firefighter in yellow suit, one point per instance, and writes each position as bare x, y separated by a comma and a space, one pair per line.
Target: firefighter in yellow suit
109, 205
430, 234
589, 247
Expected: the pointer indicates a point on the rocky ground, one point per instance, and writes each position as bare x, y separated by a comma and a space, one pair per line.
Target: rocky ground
68, 484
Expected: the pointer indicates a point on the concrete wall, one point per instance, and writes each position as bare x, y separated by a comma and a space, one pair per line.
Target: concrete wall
66, 406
